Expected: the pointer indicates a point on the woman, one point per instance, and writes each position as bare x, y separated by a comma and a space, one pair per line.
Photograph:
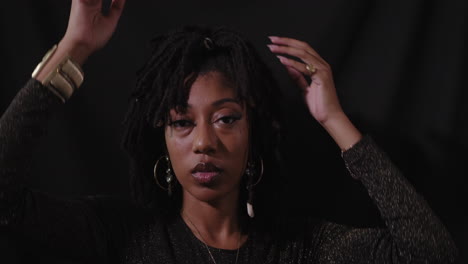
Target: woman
202, 132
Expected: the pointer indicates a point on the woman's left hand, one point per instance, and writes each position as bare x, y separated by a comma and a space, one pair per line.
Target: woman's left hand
319, 93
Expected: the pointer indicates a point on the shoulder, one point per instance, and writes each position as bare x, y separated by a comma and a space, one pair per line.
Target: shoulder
112, 209
292, 229
294, 239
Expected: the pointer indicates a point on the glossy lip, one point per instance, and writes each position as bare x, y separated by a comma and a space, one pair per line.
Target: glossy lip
205, 172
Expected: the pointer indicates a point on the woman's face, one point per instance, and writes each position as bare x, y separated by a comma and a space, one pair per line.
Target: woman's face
208, 144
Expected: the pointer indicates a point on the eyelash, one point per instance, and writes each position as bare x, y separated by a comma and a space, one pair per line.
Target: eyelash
228, 120
179, 123
231, 118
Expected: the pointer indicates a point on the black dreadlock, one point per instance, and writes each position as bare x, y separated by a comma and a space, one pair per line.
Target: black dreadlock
164, 82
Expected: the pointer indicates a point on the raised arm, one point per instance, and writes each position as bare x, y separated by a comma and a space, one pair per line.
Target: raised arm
25, 122
413, 233
88, 31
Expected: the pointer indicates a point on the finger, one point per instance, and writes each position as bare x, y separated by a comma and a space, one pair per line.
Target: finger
116, 8
92, 3
298, 66
297, 77
299, 53
293, 43
80, 5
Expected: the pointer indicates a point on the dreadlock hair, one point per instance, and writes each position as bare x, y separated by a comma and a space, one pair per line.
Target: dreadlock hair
164, 82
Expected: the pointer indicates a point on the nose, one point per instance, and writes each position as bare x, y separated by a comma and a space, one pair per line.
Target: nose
205, 139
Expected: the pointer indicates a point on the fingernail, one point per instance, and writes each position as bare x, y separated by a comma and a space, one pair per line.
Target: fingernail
270, 46
272, 38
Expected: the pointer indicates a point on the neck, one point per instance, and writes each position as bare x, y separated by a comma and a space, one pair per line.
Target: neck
214, 223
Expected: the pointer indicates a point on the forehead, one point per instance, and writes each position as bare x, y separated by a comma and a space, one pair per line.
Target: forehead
210, 87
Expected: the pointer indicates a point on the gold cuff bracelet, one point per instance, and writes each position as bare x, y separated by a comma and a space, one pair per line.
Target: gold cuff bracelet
64, 78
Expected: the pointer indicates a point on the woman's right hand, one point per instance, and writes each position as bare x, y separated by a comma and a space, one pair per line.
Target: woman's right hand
88, 28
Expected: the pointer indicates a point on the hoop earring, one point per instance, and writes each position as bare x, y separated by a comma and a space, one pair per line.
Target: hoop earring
250, 172
169, 176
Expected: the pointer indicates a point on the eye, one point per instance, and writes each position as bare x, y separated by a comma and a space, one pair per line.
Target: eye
181, 123
228, 119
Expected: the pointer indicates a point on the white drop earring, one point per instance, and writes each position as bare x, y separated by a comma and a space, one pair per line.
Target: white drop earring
250, 172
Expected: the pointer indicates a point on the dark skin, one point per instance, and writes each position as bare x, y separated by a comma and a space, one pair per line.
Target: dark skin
214, 129
213, 210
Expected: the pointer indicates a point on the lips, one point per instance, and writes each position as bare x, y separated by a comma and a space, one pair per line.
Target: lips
205, 173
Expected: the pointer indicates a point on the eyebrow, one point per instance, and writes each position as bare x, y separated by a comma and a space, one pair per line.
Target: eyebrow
221, 101
225, 100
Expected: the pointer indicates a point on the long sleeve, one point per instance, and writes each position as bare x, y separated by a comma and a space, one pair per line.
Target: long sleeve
21, 126
88, 228
413, 233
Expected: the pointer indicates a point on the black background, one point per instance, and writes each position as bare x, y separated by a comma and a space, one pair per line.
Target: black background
399, 68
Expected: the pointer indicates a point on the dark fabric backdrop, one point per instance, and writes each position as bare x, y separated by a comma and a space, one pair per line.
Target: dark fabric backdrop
400, 71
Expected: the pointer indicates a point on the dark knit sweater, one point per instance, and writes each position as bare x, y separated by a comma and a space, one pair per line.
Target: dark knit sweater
105, 230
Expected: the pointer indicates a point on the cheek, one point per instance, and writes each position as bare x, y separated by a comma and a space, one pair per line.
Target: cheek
177, 148
237, 145
175, 142
240, 138
240, 141
240, 153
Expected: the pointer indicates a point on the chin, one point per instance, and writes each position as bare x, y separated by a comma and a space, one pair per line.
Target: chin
209, 194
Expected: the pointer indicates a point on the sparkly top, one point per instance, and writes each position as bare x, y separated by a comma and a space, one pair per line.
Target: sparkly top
102, 229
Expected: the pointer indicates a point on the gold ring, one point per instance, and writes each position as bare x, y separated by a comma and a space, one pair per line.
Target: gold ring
311, 69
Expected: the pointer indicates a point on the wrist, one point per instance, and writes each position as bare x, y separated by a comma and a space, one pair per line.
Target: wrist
65, 48
332, 118
59, 72
342, 130
78, 52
